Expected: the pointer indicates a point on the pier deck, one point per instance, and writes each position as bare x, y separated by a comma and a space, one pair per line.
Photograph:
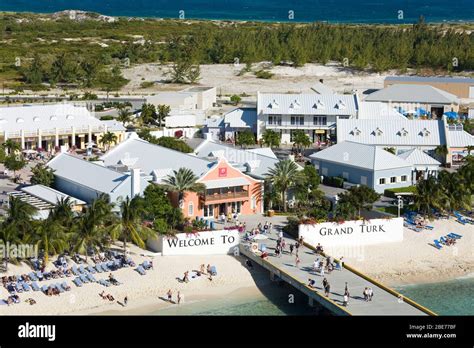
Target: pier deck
383, 302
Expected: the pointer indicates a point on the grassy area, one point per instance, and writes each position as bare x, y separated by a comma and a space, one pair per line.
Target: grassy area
392, 193
391, 210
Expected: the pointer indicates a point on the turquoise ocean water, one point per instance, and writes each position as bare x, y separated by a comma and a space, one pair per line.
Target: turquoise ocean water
349, 11
448, 298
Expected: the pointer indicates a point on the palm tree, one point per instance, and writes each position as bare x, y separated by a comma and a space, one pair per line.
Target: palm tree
163, 112
301, 140
124, 116
469, 149
456, 191
129, 226
11, 146
428, 195
62, 212
107, 139
441, 151
271, 138
88, 231
50, 236
283, 176
19, 215
181, 181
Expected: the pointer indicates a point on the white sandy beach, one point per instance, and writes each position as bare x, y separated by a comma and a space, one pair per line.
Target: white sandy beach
143, 292
414, 260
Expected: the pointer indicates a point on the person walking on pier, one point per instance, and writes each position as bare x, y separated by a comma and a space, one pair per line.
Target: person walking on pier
297, 261
291, 249
370, 293
346, 299
326, 287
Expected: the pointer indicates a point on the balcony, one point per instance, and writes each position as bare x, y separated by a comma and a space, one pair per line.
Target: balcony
229, 196
305, 125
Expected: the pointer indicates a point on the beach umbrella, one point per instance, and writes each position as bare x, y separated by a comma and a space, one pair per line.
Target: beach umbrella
259, 237
451, 115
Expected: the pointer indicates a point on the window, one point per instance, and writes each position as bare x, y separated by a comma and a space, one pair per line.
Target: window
276, 120
319, 120
345, 175
382, 181
209, 210
190, 209
393, 179
236, 207
297, 120
363, 180
403, 178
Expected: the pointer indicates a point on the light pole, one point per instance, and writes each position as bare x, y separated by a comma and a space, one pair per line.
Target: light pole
400, 204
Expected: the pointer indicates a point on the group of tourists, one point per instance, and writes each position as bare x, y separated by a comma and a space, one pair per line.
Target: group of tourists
169, 296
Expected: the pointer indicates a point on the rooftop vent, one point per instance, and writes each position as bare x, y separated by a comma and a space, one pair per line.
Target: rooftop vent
318, 105
273, 104
340, 105
378, 131
69, 117
403, 132
425, 132
356, 131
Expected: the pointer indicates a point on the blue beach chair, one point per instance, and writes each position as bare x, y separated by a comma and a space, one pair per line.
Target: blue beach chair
77, 282
65, 286
91, 278
82, 269
213, 270
98, 268
140, 270
74, 270
91, 269
44, 288
32, 276
35, 286
83, 278
454, 235
39, 275
59, 287
437, 244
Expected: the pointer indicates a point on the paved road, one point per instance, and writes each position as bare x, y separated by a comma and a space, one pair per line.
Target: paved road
383, 303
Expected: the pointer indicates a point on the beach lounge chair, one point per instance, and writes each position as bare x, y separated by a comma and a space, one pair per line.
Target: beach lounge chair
25, 286
146, 265
65, 286
437, 244
35, 286
91, 278
39, 275
213, 270
98, 268
74, 270
104, 267
461, 221
454, 235
44, 288
83, 278
443, 240
59, 287
32, 276
140, 270
82, 269
91, 269
77, 282
429, 227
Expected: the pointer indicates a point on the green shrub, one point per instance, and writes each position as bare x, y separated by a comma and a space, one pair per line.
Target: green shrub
263, 74
146, 84
334, 181
106, 118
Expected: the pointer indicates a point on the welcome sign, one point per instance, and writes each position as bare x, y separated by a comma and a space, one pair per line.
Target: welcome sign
357, 232
201, 243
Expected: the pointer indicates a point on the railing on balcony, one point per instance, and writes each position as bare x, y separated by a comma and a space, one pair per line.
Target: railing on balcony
228, 195
298, 125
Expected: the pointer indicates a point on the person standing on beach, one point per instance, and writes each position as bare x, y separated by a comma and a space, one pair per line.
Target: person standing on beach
125, 301
170, 295
179, 297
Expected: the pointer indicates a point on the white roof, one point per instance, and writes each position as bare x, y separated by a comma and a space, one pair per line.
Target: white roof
239, 157
114, 126
32, 118
359, 155
418, 157
150, 157
214, 122
457, 137
240, 181
264, 151
306, 104
392, 132
88, 174
378, 110
241, 118
49, 194
180, 121
413, 94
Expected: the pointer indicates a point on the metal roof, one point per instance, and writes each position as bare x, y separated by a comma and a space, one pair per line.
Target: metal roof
457, 137
88, 174
413, 94
49, 194
392, 132
378, 110
418, 157
32, 118
360, 155
114, 126
241, 118
148, 157
256, 163
430, 79
307, 104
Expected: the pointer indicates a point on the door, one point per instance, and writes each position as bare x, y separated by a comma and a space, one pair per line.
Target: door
222, 209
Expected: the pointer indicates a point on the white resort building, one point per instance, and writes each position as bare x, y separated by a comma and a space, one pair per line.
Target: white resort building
315, 114
48, 127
